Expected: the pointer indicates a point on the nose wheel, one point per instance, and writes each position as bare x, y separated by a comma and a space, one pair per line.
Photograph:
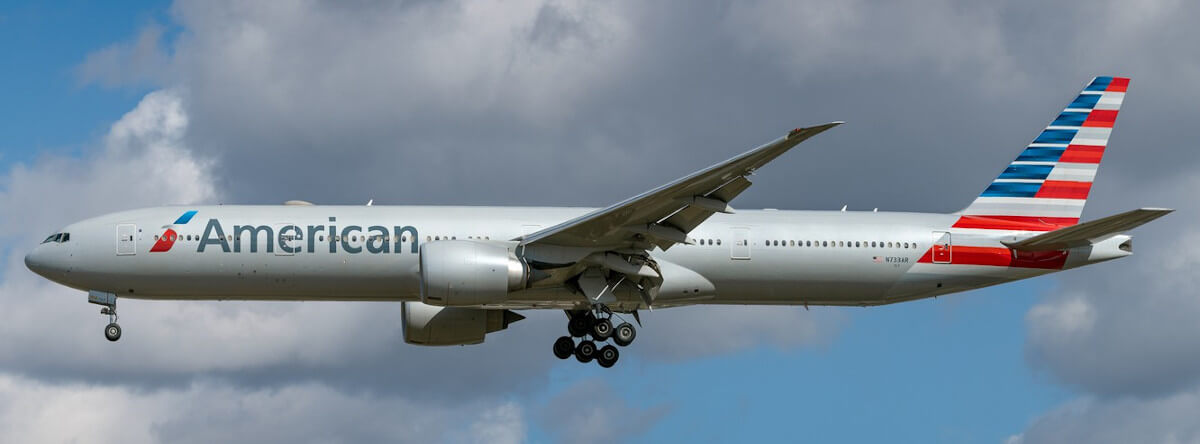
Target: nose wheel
593, 328
112, 332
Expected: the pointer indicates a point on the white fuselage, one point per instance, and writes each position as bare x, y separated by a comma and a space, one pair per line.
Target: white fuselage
370, 253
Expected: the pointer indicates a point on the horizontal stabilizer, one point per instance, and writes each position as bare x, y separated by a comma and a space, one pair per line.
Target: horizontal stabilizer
1088, 232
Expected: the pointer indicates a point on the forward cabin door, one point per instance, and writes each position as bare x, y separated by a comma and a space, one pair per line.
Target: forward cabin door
739, 249
126, 239
942, 248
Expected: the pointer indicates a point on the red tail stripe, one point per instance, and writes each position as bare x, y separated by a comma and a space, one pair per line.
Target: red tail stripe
1001, 257
1118, 84
1017, 223
1061, 189
1082, 154
1101, 118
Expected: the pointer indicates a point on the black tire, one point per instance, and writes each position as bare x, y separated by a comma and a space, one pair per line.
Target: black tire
578, 326
607, 356
602, 329
624, 334
586, 351
112, 332
564, 347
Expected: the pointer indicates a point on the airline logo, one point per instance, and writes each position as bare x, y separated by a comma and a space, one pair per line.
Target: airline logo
167, 239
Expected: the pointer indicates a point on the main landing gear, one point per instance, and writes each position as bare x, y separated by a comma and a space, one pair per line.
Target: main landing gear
592, 327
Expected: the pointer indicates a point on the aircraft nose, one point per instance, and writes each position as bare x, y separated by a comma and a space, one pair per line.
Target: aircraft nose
35, 262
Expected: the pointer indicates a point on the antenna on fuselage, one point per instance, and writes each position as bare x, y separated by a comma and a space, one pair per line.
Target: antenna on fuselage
369, 202
844, 207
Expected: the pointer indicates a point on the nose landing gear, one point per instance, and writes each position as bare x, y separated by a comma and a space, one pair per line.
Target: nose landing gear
593, 327
108, 303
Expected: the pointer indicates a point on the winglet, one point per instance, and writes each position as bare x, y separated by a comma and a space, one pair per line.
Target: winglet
813, 130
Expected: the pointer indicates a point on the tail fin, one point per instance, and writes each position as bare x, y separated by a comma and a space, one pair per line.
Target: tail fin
1045, 188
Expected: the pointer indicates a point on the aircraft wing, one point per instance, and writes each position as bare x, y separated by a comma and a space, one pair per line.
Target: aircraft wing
1088, 232
663, 216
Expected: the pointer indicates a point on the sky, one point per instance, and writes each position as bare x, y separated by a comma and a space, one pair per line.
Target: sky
565, 102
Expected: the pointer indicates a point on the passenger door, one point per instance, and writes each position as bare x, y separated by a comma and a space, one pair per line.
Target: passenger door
739, 249
126, 239
942, 248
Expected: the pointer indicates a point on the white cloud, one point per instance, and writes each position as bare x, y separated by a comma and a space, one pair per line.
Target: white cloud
206, 412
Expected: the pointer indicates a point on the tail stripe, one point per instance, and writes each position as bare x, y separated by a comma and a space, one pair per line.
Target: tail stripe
1049, 182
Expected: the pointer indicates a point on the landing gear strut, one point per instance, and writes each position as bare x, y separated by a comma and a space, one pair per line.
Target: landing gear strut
108, 303
592, 327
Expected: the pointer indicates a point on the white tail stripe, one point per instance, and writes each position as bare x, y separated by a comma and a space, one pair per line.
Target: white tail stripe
1074, 172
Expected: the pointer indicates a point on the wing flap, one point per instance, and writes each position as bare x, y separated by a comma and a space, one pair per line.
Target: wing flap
1088, 232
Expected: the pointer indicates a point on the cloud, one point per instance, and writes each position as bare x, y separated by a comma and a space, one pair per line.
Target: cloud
1127, 328
208, 411
590, 412
141, 61
1170, 419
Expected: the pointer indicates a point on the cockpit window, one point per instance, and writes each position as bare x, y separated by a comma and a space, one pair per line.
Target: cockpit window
58, 237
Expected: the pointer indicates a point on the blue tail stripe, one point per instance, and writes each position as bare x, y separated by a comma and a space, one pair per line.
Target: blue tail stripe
1100, 84
1041, 154
1026, 172
1008, 189
1055, 136
1085, 101
1070, 118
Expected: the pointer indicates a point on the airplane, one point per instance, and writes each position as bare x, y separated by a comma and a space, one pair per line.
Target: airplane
464, 272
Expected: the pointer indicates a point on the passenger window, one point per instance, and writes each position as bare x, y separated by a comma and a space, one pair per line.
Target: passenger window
403, 238
718, 242
906, 245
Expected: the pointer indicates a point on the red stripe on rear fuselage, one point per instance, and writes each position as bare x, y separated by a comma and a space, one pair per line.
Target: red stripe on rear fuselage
1001, 257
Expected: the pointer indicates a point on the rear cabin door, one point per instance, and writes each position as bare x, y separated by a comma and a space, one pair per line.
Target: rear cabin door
942, 248
739, 249
126, 239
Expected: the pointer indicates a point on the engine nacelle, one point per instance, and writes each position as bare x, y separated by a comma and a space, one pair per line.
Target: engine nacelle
465, 273
430, 325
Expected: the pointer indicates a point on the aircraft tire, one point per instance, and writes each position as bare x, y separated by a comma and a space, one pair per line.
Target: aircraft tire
602, 329
586, 351
578, 326
624, 334
112, 332
564, 347
607, 356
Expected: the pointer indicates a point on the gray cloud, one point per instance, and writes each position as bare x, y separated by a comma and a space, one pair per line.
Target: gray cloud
590, 412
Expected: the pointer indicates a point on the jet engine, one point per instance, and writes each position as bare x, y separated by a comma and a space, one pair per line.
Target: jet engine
430, 325
457, 273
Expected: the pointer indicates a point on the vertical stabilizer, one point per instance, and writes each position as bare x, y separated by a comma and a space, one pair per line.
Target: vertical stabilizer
1046, 187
